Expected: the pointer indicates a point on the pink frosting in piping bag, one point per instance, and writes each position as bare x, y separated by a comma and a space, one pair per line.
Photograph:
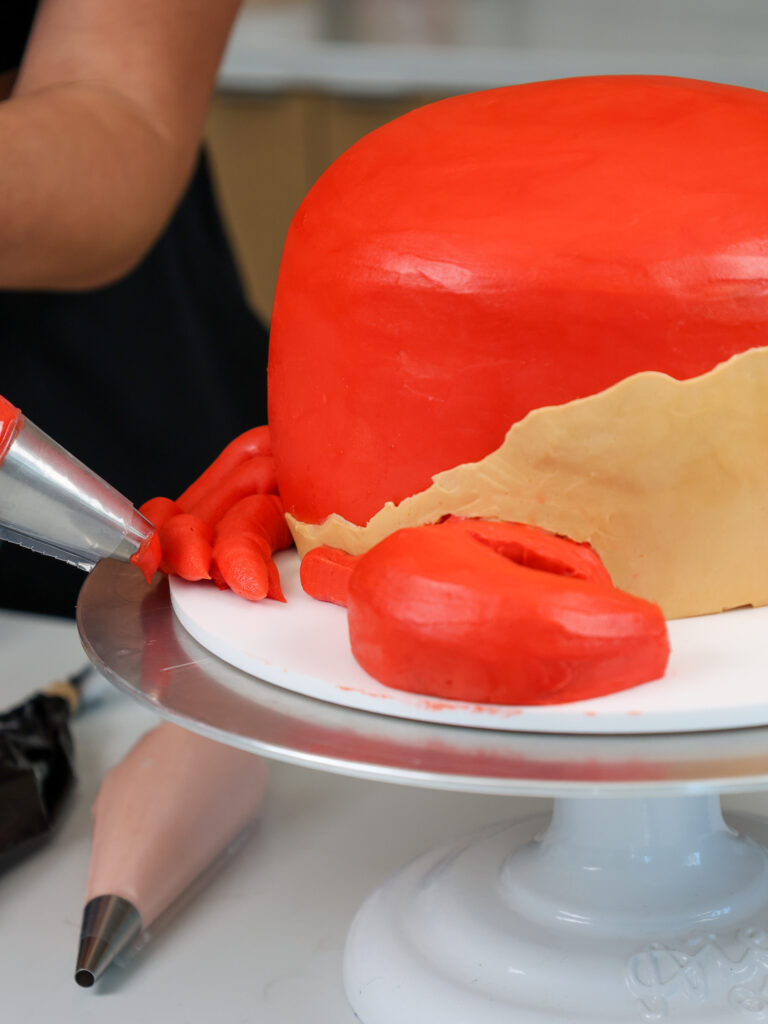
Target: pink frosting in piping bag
163, 814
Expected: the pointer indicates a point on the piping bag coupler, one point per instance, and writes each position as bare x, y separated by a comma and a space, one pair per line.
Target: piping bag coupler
52, 503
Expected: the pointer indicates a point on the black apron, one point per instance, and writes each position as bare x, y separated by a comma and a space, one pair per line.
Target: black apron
145, 380
16, 17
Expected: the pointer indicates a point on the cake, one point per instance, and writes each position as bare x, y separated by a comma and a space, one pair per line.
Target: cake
544, 304
517, 390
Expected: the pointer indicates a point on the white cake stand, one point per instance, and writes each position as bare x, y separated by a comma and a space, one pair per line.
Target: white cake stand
636, 902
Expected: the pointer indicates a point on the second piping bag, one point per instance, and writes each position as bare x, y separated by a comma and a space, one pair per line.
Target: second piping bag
52, 503
164, 818
178, 802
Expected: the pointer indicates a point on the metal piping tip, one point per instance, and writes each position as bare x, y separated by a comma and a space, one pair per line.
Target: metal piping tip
110, 924
52, 503
84, 978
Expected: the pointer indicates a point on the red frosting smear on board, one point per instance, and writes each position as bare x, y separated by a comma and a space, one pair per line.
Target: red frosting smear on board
10, 418
505, 250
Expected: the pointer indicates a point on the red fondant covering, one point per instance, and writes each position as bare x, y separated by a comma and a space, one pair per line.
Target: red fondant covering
497, 252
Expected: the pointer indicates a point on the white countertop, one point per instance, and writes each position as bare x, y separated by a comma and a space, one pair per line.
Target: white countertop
263, 942
391, 47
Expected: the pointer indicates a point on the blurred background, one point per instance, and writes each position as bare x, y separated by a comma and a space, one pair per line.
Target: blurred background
304, 79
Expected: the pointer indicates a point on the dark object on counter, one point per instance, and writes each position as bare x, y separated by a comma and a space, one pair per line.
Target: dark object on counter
36, 767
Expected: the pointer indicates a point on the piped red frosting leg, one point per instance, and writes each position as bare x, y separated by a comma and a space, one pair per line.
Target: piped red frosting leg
227, 524
325, 574
253, 443
496, 613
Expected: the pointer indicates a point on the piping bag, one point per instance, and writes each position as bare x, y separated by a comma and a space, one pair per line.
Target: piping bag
52, 503
36, 767
165, 819
168, 813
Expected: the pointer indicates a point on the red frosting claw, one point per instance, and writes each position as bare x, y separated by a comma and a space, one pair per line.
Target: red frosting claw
149, 556
259, 513
218, 579
244, 539
186, 545
437, 610
275, 589
242, 565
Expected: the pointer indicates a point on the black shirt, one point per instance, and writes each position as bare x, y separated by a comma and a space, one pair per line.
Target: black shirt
15, 22
145, 381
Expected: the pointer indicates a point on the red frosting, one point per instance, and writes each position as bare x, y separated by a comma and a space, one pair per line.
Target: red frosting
490, 254
149, 556
498, 613
10, 418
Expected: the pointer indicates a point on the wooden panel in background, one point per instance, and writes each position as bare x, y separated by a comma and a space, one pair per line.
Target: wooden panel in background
339, 122
266, 151
258, 155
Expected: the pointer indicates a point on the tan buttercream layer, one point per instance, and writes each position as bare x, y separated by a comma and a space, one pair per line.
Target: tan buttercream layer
666, 479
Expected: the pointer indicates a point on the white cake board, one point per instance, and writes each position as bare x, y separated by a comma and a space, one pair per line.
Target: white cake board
717, 676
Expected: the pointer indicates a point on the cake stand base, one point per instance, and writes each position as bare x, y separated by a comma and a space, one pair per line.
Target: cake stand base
615, 910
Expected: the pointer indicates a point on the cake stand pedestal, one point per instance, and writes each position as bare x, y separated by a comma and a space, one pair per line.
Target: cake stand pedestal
637, 902
619, 910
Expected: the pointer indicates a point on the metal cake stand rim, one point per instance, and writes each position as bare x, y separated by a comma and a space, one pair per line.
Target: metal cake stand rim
130, 633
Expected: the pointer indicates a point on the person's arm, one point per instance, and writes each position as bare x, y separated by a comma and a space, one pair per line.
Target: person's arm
100, 134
